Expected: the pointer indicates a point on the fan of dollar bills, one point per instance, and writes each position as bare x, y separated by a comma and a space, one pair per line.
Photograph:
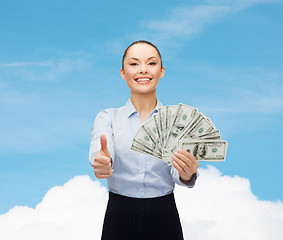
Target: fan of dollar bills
180, 127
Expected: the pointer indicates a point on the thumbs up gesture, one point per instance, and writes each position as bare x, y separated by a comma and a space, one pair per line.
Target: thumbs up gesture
102, 161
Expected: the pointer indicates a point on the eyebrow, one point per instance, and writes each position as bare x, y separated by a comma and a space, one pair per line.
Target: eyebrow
138, 59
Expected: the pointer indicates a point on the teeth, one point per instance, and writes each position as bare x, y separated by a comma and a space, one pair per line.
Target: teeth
143, 79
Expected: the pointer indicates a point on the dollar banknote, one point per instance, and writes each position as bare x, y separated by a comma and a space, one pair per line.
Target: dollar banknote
162, 124
142, 148
206, 150
179, 127
143, 140
182, 118
170, 115
202, 150
150, 127
211, 135
201, 125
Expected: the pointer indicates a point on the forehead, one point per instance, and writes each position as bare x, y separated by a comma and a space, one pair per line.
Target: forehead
142, 50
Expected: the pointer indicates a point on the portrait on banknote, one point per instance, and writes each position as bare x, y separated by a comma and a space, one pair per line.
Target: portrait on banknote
176, 129
200, 151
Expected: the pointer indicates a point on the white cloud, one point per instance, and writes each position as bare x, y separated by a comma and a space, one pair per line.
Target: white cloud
186, 22
223, 207
48, 70
252, 90
72, 211
219, 207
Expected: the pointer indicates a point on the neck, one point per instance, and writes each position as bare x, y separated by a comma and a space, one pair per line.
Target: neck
144, 104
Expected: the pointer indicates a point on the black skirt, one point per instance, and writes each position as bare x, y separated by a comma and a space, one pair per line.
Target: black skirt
129, 218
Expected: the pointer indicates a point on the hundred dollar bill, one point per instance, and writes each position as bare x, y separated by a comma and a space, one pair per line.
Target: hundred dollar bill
141, 148
170, 115
174, 143
201, 125
152, 131
157, 124
215, 134
194, 131
206, 150
211, 135
146, 141
162, 124
210, 121
180, 126
183, 117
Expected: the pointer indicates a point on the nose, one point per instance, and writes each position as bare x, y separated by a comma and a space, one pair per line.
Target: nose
143, 68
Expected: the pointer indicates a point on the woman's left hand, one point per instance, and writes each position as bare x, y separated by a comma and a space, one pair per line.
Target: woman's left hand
186, 164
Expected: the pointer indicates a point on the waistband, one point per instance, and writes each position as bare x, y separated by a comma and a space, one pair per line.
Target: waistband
129, 200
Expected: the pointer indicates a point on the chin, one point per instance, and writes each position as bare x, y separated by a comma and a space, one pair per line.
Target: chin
143, 91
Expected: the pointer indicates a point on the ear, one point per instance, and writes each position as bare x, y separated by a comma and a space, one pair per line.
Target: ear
122, 73
162, 72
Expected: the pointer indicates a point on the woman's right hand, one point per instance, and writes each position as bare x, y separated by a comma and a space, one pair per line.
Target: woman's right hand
102, 161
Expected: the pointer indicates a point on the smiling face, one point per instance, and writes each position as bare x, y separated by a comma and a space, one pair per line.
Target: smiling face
142, 68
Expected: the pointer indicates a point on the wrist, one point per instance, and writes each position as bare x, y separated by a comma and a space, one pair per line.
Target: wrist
192, 178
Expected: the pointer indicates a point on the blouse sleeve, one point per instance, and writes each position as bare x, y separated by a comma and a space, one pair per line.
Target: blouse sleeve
176, 178
102, 125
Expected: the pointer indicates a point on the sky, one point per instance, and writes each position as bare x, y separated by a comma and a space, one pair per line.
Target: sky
59, 66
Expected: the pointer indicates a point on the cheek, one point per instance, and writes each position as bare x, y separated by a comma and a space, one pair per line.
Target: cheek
157, 73
130, 74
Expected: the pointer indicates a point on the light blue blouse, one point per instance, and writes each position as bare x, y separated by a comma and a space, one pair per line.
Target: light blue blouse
135, 174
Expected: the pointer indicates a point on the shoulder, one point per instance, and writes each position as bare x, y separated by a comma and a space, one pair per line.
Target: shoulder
110, 113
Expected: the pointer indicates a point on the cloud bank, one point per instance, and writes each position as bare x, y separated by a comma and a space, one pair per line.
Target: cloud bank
219, 207
223, 207
254, 90
72, 211
187, 21
48, 70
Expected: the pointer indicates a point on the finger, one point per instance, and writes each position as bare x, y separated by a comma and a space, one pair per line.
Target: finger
184, 158
102, 160
179, 169
186, 163
187, 154
185, 167
193, 160
102, 171
103, 142
102, 167
103, 175
183, 175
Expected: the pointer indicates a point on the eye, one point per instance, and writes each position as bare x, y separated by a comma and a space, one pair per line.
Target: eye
133, 64
152, 63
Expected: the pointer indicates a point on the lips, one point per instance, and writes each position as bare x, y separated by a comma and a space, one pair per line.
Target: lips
143, 79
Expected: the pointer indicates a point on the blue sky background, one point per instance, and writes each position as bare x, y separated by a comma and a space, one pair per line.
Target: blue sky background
60, 62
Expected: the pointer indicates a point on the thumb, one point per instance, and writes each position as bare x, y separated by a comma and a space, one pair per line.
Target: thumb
104, 148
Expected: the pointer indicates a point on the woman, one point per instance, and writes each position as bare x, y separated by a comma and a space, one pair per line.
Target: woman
141, 202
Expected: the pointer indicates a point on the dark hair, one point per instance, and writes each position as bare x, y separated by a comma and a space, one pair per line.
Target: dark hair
140, 41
